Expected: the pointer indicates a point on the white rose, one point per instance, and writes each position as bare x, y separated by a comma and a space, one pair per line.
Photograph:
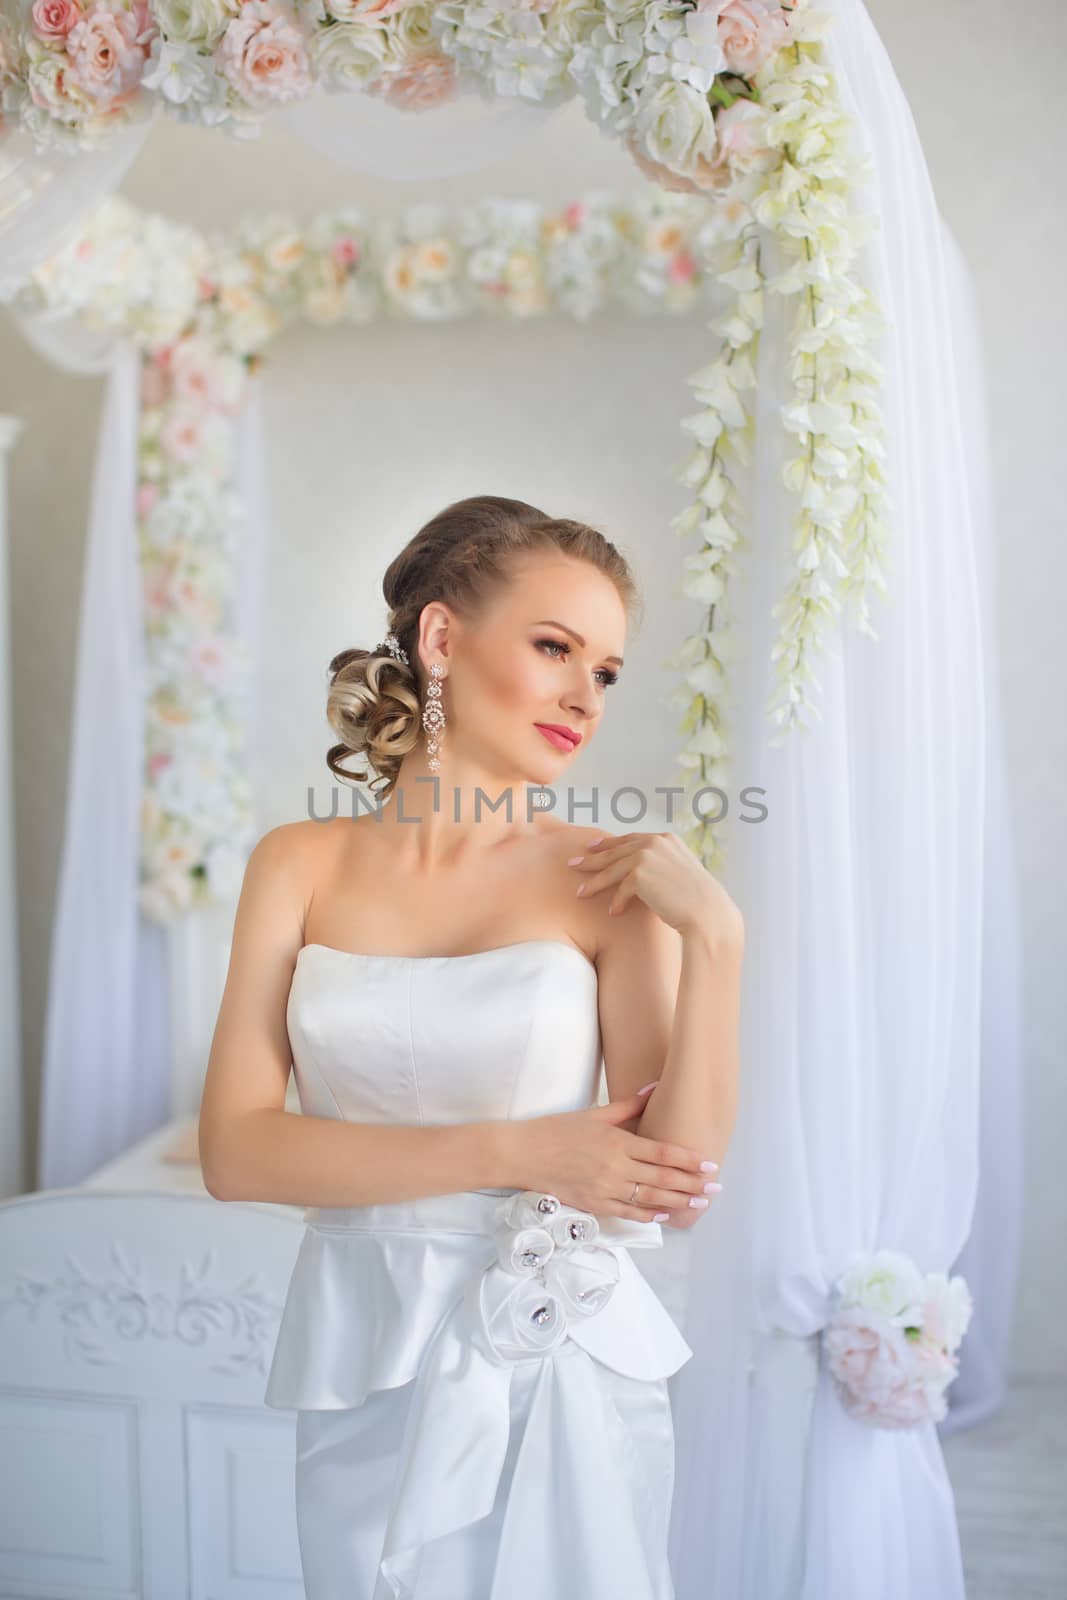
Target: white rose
675, 126
348, 55
570, 23
194, 21
51, 85
411, 33
887, 1281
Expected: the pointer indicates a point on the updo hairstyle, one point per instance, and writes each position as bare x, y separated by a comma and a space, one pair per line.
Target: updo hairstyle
460, 557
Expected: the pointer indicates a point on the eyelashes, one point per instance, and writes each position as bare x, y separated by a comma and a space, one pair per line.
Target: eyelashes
609, 677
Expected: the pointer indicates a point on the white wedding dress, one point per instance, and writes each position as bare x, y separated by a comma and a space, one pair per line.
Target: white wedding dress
480, 1377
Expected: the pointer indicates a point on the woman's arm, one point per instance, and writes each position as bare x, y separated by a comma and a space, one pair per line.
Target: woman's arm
670, 1010
251, 1148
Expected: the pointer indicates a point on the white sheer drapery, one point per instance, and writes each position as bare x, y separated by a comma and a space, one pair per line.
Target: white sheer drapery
46, 195
864, 1023
104, 1071
990, 1258
108, 1059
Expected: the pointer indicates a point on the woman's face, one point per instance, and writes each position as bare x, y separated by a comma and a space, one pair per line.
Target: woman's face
546, 652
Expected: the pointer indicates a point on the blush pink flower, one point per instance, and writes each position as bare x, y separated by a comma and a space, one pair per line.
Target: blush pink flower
575, 214
740, 147
666, 177
53, 19
348, 10
345, 252
750, 31
106, 58
210, 659
934, 1325
419, 84
147, 495
154, 386
182, 435
682, 268
264, 55
157, 599
868, 1355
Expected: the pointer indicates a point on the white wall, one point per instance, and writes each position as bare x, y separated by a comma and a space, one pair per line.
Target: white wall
386, 424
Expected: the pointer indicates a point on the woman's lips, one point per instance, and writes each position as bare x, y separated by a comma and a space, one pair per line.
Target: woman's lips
560, 740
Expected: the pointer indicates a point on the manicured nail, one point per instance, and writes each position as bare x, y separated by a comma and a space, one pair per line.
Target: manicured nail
697, 1200
647, 1086
662, 1216
712, 1188
709, 1166
574, 860
581, 888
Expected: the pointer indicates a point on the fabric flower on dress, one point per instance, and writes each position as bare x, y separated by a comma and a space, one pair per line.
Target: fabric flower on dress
549, 1269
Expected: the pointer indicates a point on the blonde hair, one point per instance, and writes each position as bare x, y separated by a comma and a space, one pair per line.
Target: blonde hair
459, 557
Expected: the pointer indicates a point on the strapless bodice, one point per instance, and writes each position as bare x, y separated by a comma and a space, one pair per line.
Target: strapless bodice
507, 1032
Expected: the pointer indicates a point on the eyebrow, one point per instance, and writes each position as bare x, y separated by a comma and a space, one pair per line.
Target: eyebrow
552, 624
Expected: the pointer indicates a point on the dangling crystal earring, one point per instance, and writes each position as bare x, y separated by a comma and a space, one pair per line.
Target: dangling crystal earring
433, 715
541, 798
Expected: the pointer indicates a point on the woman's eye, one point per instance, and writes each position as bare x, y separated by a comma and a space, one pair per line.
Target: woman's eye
608, 677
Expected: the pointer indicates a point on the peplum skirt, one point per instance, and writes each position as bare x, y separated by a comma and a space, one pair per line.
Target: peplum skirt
483, 1414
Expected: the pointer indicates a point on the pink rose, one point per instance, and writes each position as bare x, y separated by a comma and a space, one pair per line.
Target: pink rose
105, 58
867, 1354
182, 435
682, 268
345, 252
209, 657
264, 56
750, 31
666, 177
422, 82
154, 386
374, 8
53, 19
157, 598
575, 214
147, 495
739, 127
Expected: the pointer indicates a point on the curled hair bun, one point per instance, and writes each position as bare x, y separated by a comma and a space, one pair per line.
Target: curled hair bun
373, 707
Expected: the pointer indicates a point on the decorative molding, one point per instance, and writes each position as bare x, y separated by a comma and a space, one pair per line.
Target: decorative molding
100, 1314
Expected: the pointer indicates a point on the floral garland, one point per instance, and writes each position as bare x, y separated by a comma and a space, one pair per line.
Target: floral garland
202, 312
803, 171
728, 101
655, 73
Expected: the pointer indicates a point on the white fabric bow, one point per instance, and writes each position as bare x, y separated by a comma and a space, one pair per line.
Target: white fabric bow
555, 1294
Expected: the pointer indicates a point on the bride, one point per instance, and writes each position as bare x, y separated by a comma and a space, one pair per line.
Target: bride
479, 1368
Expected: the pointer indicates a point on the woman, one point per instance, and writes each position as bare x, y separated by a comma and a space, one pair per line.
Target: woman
478, 1367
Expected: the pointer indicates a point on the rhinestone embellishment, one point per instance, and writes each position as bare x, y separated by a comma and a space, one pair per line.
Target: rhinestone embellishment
433, 716
549, 1272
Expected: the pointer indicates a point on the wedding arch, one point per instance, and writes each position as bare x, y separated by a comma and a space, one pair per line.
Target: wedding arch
841, 382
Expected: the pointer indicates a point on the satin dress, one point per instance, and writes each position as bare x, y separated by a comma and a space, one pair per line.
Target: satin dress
479, 1377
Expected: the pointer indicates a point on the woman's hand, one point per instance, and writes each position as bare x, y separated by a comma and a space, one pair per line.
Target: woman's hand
586, 1160
661, 870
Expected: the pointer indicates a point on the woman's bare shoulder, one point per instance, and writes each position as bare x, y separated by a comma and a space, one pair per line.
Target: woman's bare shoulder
299, 846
